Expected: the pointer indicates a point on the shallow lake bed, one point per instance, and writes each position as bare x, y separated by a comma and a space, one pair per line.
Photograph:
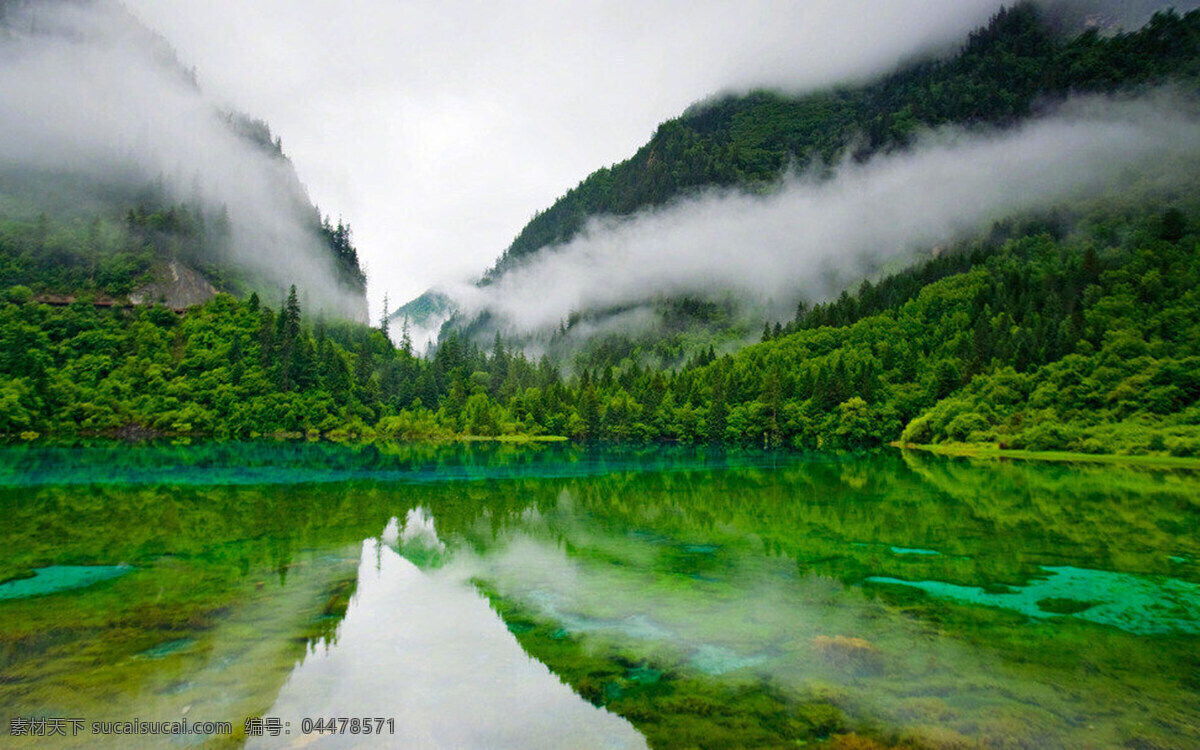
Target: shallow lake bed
550, 596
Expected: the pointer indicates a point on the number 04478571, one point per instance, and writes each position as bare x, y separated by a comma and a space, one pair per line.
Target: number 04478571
344, 725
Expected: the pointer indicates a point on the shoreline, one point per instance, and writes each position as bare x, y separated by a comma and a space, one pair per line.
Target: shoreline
965, 450
953, 450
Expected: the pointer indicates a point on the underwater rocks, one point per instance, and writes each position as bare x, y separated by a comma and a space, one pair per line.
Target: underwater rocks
849, 654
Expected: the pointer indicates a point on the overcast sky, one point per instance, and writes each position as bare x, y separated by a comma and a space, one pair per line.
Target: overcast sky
438, 128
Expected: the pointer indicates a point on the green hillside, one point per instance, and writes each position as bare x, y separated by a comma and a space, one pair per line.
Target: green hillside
115, 246
1001, 75
1076, 329
1086, 342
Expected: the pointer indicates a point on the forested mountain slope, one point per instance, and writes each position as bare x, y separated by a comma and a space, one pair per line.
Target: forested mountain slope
1087, 342
1021, 68
1074, 326
1002, 74
120, 179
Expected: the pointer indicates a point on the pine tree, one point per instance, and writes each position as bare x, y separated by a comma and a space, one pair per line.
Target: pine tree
406, 345
801, 313
772, 399
589, 411
499, 365
839, 383
288, 341
718, 409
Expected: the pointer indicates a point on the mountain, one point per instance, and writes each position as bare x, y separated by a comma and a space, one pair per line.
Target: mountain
1006, 255
423, 317
746, 141
122, 180
1026, 66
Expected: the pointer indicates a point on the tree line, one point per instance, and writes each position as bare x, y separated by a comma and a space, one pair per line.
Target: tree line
1087, 341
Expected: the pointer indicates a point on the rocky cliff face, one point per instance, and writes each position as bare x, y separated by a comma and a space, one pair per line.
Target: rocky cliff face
175, 285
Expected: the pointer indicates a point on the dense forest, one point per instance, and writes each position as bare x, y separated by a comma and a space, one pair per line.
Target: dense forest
1087, 342
109, 252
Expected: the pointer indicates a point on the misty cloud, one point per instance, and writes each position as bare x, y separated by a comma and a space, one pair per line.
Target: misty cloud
467, 117
85, 89
809, 236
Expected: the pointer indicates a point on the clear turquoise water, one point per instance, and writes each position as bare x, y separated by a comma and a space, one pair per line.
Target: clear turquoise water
498, 596
55, 578
1136, 604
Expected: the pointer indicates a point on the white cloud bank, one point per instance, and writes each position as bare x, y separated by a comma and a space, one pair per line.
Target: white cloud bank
792, 242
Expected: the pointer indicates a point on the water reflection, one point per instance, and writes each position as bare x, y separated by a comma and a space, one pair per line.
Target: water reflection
569, 596
707, 603
426, 650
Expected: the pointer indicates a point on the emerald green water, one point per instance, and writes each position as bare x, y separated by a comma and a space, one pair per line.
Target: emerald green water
494, 596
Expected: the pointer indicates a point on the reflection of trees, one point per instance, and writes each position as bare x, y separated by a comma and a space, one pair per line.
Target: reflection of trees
204, 549
834, 515
839, 516
1123, 518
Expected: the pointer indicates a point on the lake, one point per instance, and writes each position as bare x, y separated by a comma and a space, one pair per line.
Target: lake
310, 595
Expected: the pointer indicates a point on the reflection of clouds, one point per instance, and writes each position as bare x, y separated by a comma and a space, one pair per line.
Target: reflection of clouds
391, 532
753, 617
419, 531
429, 651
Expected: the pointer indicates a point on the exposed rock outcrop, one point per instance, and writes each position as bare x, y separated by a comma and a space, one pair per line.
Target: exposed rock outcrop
175, 285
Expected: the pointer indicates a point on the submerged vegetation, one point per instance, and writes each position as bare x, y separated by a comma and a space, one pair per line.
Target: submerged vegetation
711, 599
